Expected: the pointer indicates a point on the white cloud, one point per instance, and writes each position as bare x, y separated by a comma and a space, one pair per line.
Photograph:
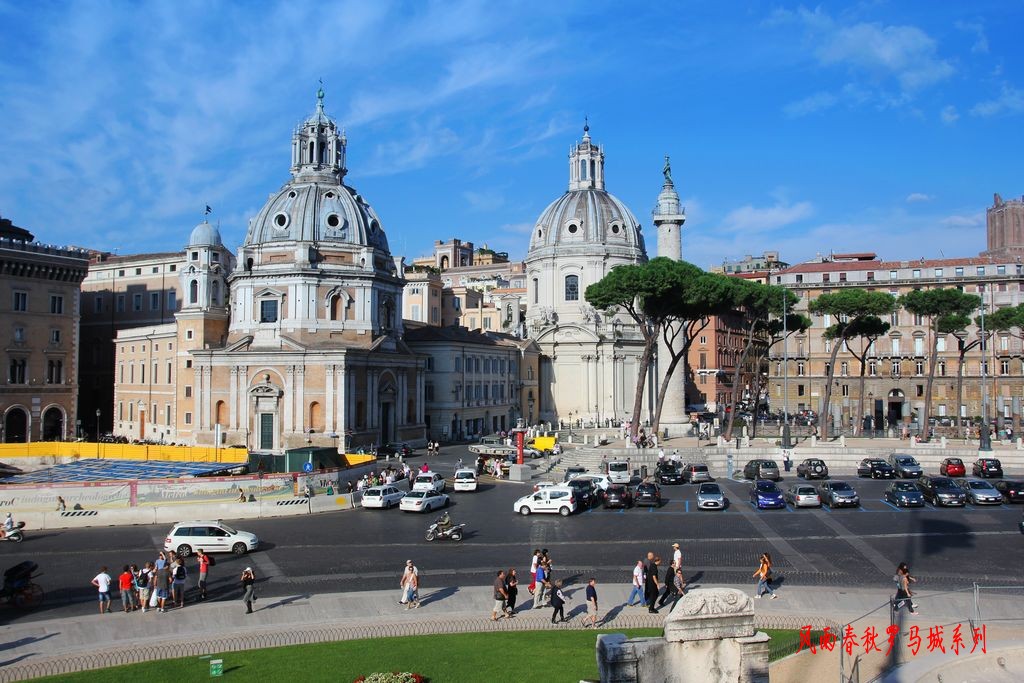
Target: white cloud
488, 200
977, 29
964, 221
949, 115
421, 145
918, 197
811, 104
904, 52
517, 228
1009, 101
759, 219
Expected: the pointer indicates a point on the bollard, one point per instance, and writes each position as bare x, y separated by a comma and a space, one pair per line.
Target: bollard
842, 440
814, 440
942, 441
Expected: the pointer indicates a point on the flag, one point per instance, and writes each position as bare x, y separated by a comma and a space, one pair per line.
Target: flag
208, 210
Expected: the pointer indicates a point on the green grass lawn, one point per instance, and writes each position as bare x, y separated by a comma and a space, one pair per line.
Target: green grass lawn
555, 655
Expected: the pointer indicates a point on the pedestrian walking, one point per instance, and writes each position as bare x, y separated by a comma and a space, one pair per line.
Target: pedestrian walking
591, 603
540, 578
499, 596
61, 505
764, 576
178, 586
677, 556
679, 584
163, 585
406, 583
533, 569
204, 569
557, 602
669, 587
144, 580
102, 582
125, 583
248, 589
651, 587
904, 596
511, 591
638, 585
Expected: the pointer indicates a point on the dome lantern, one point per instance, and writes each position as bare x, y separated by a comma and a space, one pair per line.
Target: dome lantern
317, 147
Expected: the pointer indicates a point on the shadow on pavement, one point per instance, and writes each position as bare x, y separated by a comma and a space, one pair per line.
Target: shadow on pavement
438, 595
21, 642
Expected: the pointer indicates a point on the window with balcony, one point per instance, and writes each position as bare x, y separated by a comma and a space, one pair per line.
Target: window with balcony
919, 367
958, 271
54, 372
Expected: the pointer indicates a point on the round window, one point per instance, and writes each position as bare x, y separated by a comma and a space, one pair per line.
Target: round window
332, 220
291, 195
615, 229
573, 229
540, 234
330, 195
281, 220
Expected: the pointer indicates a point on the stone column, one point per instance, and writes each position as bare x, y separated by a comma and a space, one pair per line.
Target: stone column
289, 400
233, 399
329, 399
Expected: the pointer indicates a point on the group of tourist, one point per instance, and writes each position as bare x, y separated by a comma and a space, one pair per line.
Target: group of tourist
161, 585
388, 475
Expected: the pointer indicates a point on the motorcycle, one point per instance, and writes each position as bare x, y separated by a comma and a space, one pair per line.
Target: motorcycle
453, 532
15, 535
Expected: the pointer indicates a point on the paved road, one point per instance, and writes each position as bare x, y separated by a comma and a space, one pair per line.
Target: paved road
364, 550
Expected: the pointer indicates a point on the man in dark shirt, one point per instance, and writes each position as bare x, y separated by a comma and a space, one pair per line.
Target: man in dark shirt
591, 604
499, 597
651, 583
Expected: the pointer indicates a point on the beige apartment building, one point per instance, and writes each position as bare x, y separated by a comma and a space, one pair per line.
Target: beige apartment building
39, 304
897, 364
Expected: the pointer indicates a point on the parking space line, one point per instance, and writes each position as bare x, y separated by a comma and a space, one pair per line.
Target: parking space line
687, 506
894, 507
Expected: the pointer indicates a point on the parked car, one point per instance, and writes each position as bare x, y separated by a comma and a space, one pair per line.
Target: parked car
952, 467
980, 492
428, 481
395, 448
647, 493
761, 469
1012, 491
906, 466
694, 473
669, 474
876, 468
839, 494
812, 468
766, 494
903, 494
585, 492
941, 491
988, 467
465, 480
546, 484
802, 496
560, 499
212, 536
423, 501
382, 497
619, 471
573, 472
618, 496
710, 497
601, 482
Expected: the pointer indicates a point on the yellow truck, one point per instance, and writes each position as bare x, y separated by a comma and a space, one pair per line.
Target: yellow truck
544, 444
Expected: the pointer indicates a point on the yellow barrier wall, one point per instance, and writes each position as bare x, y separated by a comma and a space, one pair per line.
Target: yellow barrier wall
354, 459
121, 451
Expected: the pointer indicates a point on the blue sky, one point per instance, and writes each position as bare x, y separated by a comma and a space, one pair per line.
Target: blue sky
875, 126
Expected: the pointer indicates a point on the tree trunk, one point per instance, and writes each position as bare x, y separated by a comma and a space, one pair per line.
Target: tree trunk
638, 398
860, 391
757, 397
736, 382
823, 418
926, 430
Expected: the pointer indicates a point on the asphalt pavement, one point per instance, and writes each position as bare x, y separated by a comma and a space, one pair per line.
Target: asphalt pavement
362, 550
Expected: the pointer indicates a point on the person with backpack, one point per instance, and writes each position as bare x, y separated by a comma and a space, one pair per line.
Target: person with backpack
205, 562
904, 596
178, 583
143, 579
248, 588
764, 576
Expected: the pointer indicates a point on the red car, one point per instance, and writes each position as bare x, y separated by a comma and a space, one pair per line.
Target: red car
953, 467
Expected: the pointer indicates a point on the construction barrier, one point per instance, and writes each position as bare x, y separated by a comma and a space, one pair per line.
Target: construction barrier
71, 450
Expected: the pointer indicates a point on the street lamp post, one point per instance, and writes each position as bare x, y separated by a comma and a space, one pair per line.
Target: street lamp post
98, 413
786, 436
984, 437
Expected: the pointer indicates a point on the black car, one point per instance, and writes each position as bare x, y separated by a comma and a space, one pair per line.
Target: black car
585, 494
906, 466
988, 467
812, 468
669, 474
618, 496
876, 468
941, 491
903, 494
394, 449
647, 493
573, 471
1013, 491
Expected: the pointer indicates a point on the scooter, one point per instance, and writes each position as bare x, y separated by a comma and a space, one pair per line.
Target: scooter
452, 532
15, 535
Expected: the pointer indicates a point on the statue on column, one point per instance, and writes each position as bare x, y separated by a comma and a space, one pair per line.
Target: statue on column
667, 171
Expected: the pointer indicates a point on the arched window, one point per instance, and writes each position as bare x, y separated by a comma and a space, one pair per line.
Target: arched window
592, 174
220, 414
583, 169
311, 157
336, 307
215, 293
193, 292
316, 417
572, 288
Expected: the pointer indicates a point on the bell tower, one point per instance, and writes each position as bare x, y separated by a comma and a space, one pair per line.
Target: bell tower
317, 147
586, 164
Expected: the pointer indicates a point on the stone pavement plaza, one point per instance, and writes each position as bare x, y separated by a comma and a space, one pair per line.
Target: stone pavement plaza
70, 644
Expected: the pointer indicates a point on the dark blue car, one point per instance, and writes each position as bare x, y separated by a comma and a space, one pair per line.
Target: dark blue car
765, 494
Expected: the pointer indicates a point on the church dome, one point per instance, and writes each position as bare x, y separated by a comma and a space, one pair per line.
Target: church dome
587, 215
205, 235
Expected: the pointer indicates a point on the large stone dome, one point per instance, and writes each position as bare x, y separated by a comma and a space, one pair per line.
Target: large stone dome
586, 217
314, 211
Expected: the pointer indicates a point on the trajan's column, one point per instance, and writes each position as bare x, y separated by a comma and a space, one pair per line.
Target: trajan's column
669, 217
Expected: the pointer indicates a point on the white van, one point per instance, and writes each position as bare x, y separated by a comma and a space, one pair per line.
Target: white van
428, 481
465, 480
618, 472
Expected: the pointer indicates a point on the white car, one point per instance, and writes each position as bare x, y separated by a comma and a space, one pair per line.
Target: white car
423, 501
619, 472
382, 497
560, 499
185, 538
428, 481
545, 484
601, 481
465, 480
